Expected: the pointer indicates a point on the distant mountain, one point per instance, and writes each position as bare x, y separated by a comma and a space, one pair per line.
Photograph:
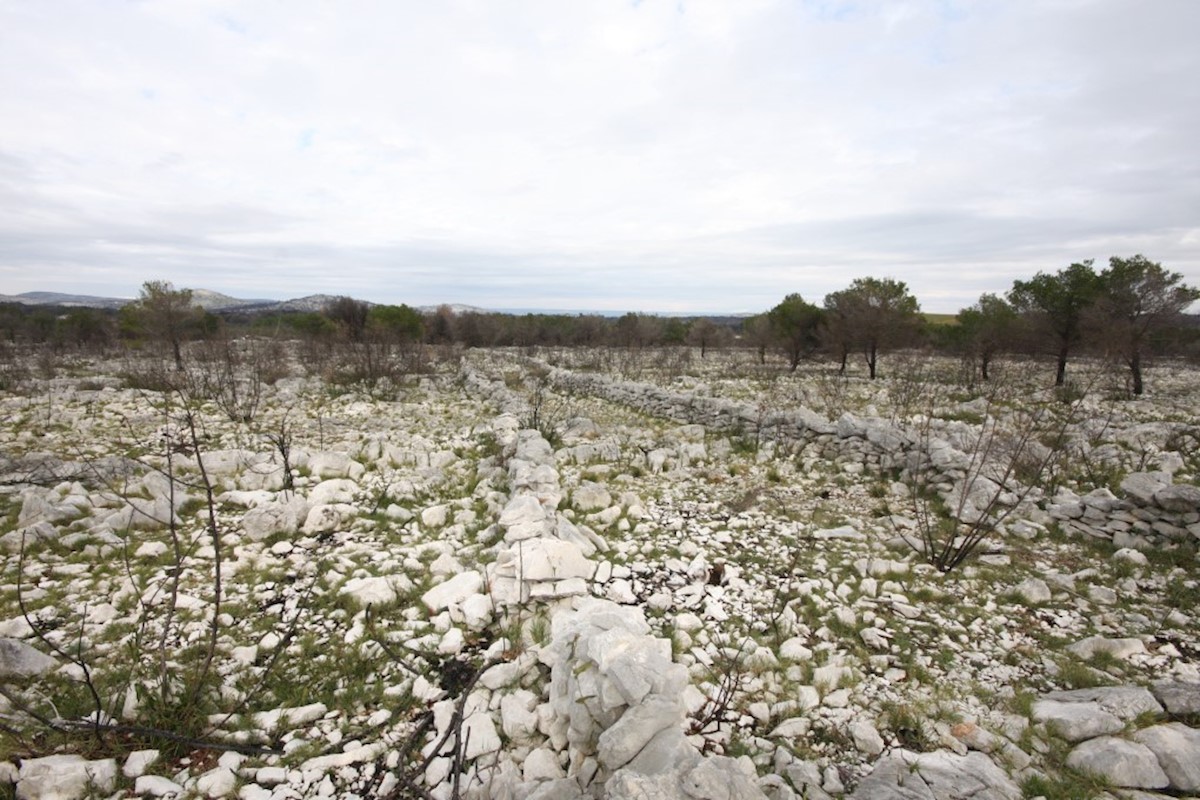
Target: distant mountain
215, 301
60, 299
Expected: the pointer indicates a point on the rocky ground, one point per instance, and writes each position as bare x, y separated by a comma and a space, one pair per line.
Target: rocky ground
598, 574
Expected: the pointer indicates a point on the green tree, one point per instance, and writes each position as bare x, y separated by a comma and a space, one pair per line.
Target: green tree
164, 314
1138, 298
875, 315
1056, 307
987, 329
396, 324
795, 324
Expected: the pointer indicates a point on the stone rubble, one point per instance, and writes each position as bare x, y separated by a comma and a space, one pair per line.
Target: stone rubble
668, 611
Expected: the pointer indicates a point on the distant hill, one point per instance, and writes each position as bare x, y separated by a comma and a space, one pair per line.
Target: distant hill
60, 299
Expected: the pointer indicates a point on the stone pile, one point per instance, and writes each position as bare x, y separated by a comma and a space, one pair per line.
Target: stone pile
1151, 509
615, 693
1161, 756
543, 556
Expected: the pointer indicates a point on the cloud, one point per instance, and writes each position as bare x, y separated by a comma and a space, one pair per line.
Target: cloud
660, 155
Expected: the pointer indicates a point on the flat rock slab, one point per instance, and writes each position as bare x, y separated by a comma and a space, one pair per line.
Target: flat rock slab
1076, 721
1177, 748
940, 775
1178, 698
1126, 702
1131, 765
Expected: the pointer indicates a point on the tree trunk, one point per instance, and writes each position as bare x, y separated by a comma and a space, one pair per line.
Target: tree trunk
178, 355
984, 360
762, 355
1061, 377
1135, 366
872, 354
845, 355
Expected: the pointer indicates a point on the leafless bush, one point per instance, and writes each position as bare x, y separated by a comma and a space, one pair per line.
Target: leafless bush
994, 466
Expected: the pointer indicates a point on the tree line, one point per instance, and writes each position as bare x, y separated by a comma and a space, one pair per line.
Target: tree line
1129, 311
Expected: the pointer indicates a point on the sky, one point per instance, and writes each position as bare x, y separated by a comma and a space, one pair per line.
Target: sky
683, 155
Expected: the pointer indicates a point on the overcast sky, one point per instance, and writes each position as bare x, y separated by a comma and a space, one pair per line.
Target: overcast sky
674, 156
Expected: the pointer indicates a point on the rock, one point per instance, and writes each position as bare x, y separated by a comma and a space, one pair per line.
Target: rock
1142, 486
972, 776
589, 497
264, 521
1178, 698
866, 738
794, 650
19, 660
1126, 702
1181, 498
334, 465
217, 782
270, 776
435, 517
64, 777
480, 735
1034, 591
1122, 763
525, 518
1076, 721
453, 591
541, 765
333, 492
718, 778
552, 560
793, 728
1118, 648
156, 786
892, 779
620, 743
376, 590
1131, 556
137, 762
328, 517
1177, 748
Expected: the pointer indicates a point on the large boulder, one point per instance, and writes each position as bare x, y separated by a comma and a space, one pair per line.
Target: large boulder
1177, 748
1123, 763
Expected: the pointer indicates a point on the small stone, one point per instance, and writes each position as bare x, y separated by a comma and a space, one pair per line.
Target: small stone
156, 786
137, 762
866, 738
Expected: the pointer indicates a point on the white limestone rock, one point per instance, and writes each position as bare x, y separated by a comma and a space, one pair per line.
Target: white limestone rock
1034, 591
866, 737
453, 592
376, 590
20, 661
620, 743
1118, 648
1126, 702
137, 762
1076, 721
156, 786
1121, 762
64, 777
1177, 748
